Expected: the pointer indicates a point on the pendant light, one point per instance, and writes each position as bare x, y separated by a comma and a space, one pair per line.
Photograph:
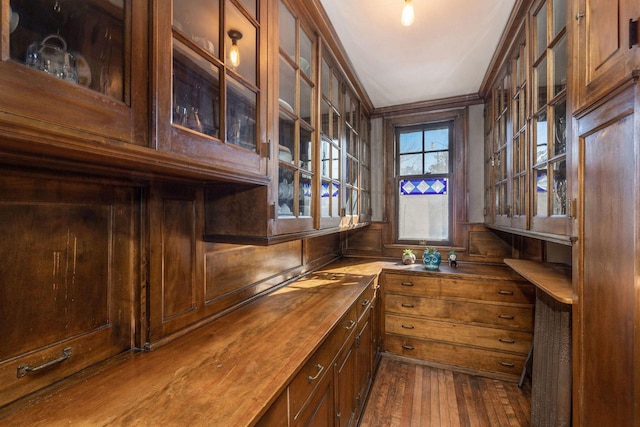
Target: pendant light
234, 52
407, 13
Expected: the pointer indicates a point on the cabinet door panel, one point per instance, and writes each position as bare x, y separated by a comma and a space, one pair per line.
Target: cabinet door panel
67, 276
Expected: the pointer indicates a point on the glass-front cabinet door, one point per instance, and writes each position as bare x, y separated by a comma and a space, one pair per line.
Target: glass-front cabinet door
499, 160
69, 67
296, 192
519, 138
549, 105
209, 85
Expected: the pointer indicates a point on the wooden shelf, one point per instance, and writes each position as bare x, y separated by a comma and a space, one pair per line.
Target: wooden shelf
554, 279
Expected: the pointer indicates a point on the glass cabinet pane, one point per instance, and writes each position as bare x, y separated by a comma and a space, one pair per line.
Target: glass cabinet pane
81, 42
335, 199
325, 159
239, 31
199, 20
304, 195
326, 80
306, 101
306, 54
559, 195
541, 80
250, 7
559, 16
541, 138
560, 66
196, 92
287, 31
335, 91
335, 162
306, 149
286, 191
287, 87
541, 192
541, 30
325, 198
287, 135
560, 128
241, 115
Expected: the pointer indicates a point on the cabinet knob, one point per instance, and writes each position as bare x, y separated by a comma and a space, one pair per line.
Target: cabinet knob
507, 340
503, 292
407, 284
408, 347
505, 316
507, 364
404, 304
408, 326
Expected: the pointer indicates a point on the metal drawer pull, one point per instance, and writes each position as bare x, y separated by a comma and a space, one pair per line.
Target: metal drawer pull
408, 347
501, 292
407, 326
320, 369
507, 340
507, 364
365, 303
505, 316
351, 325
407, 284
407, 305
26, 369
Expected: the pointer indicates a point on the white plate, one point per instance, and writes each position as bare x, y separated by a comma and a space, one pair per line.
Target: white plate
14, 18
84, 71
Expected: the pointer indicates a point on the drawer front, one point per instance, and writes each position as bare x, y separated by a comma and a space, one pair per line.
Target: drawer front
457, 355
517, 317
469, 288
458, 333
311, 374
365, 301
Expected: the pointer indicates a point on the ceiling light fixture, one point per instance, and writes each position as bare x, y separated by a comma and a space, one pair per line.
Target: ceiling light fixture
407, 14
234, 52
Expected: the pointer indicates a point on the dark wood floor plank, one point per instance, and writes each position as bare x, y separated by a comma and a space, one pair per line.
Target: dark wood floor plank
414, 395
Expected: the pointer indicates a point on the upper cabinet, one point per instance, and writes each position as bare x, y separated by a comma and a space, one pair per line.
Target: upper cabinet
209, 84
607, 45
526, 114
75, 70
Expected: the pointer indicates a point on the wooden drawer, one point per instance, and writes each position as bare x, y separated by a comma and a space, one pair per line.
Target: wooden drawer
517, 317
311, 374
456, 287
505, 365
365, 301
459, 333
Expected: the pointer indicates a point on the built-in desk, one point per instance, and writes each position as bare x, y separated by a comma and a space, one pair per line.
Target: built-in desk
551, 376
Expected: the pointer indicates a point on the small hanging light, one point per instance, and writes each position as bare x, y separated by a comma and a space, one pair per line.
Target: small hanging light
234, 52
407, 14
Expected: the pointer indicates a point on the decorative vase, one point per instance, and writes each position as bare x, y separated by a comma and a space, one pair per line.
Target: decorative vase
408, 258
431, 259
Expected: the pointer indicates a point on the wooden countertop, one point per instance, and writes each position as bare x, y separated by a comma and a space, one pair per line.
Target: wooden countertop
554, 279
225, 373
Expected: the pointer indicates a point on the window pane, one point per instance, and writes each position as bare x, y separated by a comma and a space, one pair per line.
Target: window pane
437, 162
241, 115
410, 164
437, 139
424, 210
410, 142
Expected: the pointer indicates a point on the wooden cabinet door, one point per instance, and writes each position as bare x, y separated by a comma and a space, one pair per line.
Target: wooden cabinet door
68, 270
606, 313
320, 412
605, 58
364, 361
346, 387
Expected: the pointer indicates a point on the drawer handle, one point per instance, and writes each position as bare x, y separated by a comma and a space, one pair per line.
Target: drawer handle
507, 364
505, 316
408, 347
365, 303
507, 340
351, 325
502, 292
408, 326
26, 369
407, 305
407, 284
320, 369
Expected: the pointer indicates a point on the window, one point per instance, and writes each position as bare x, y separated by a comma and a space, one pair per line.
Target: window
424, 177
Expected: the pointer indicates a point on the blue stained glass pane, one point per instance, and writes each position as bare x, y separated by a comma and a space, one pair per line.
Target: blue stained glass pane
421, 187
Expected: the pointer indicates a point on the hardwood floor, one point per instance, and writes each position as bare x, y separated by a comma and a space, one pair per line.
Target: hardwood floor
411, 395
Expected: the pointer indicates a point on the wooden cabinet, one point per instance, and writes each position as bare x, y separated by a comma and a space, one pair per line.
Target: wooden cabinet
605, 54
480, 322
68, 256
606, 325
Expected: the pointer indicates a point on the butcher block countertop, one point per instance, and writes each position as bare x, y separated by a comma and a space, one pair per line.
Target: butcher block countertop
226, 373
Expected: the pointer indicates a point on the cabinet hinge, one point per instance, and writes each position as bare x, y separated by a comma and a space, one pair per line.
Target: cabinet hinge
634, 33
266, 149
272, 211
572, 208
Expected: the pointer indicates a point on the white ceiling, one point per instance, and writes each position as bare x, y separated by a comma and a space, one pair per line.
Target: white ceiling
444, 53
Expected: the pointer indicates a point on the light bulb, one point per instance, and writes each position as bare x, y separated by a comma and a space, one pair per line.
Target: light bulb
234, 54
407, 14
